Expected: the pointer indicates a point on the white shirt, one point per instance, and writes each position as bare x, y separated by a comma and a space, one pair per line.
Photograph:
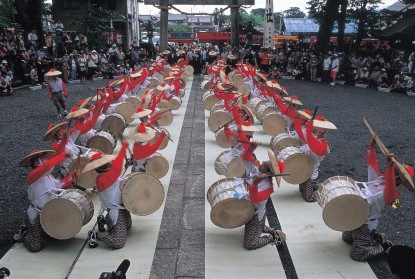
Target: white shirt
40, 192
326, 64
56, 85
335, 65
111, 199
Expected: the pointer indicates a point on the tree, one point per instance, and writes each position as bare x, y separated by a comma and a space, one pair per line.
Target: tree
246, 19
6, 13
278, 18
294, 12
94, 22
179, 28
365, 13
327, 22
258, 11
29, 16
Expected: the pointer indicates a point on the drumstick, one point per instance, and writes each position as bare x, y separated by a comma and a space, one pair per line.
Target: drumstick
254, 143
314, 113
227, 123
83, 247
382, 146
159, 131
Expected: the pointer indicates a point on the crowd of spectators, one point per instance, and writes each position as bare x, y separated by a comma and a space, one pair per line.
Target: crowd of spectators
25, 59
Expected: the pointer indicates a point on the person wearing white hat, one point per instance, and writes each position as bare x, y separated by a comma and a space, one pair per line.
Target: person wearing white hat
42, 187
317, 148
57, 91
109, 181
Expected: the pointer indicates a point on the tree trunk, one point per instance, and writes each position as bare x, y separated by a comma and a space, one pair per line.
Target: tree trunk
35, 8
361, 28
22, 16
327, 24
342, 24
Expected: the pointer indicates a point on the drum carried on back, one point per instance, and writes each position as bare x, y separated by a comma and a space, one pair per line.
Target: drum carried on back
221, 138
157, 165
85, 180
344, 205
282, 140
231, 207
175, 103
115, 124
298, 164
126, 110
142, 193
230, 163
102, 141
64, 216
209, 100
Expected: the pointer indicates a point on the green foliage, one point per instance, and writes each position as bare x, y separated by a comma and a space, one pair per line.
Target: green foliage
279, 18
246, 19
6, 13
294, 12
179, 28
93, 22
316, 9
259, 11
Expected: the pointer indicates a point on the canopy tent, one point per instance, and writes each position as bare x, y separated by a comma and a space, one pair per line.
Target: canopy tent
307, 26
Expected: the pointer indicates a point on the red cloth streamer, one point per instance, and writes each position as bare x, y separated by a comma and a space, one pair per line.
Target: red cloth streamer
281, 166
228, 132
142, 151
139, 109
107, 179
390, 194
319, 147
371, 159
256, 196
59, 145
49, 164
299, 129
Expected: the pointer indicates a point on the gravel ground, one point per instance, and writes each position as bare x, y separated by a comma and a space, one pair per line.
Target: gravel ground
392, 117
25, 116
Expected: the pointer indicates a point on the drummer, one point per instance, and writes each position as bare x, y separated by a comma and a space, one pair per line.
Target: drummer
108, 181
260, 188
366, 241
42, 187
317, 148
143, 149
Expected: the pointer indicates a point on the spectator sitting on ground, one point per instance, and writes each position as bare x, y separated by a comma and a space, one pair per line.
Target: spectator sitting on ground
5, 84
33, 76
374, 77
409, 84
363, 77
397, 86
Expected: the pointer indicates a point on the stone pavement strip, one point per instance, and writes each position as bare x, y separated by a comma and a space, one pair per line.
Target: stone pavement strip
180, 250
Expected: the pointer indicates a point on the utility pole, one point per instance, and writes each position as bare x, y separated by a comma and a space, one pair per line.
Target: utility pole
164, 20
269, 24
235, 26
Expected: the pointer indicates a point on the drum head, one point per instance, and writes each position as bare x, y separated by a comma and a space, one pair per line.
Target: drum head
164, 143
126, 110
175, 103
222, 140
218, 119
346, 213
163, 104
210, 101
283, 143
135, 101
101, 143
188, 70
273, 124
232, 213
165, 119
236, 168
61, 218
114, 124
208, 86
142, 194
157, 166
300, 168
86, 180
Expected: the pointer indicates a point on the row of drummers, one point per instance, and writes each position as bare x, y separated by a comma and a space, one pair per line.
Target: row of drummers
135, 109
235, 96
